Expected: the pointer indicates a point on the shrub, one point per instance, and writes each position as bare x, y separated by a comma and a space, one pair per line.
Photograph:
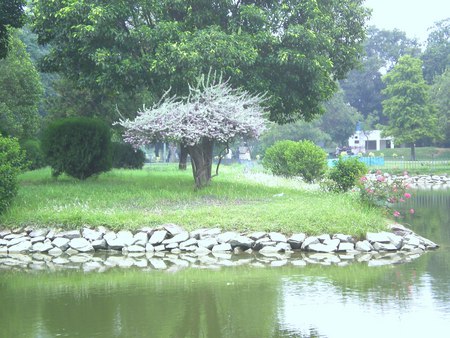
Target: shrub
78, 146
345, 174
33, 154
11, 162
125, 156
289, 158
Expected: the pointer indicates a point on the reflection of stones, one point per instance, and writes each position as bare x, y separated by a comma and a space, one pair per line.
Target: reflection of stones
171, 248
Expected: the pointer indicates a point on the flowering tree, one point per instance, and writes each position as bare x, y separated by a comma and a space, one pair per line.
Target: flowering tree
213, 112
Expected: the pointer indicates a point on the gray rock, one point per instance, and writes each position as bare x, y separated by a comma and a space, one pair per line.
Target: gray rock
99, 244
92, 235
380, 237
242, 242
158, 264
282, 246
160, 248
20, 247
38, 233
71, 234
346, 246
207, 243
71, 251
3, 249
210, 233
171, 246
189, 242
324, 237
3, 242
51, 234
38, 239
320, 247
226, 236
269, 250
396, 240
149, 248
60, 261
42, 247
61, 243
277, 237
80, 258
178, 238
363, 246
201, 250
384, 246
343, 238
332, 242
297, 238
308, 241
141, 238
126, 237
173, 229
257, 235
17, 240
109, 236
81, 245
157, 237
133, 248
14, 235
222, 247
4, 233
55, 251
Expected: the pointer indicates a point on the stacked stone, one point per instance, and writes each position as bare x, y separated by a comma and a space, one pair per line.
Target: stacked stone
427, 180
172, 238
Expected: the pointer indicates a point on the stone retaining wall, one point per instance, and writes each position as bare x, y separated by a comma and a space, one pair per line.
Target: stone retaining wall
174, 240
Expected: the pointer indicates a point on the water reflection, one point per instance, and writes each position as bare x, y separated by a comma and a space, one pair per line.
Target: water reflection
405, 300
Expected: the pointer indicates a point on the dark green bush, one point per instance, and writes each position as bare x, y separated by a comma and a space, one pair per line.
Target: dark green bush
78, 146
11, 161
125, 156
289, 158
345, 174
33, 154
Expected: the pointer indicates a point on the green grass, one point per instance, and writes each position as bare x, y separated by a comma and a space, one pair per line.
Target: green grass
162, 194
422, 153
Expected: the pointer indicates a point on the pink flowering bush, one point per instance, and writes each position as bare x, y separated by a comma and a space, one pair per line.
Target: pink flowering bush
384, 191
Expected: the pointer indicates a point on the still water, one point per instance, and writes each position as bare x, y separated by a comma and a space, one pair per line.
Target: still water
405, 300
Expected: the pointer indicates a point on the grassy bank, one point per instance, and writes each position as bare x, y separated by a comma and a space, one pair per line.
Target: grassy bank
163, 194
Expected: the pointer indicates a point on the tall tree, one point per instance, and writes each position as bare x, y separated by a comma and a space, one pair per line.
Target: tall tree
363, 86
407, 104
294, 50
20, 92
436, 57
440, 95
11, 15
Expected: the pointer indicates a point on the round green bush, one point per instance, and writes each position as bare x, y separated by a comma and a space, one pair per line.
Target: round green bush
346, 173
11, 161
77, 146
33, 154
125, 156
289, 158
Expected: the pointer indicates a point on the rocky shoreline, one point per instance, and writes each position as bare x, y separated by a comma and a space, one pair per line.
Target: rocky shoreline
171, 247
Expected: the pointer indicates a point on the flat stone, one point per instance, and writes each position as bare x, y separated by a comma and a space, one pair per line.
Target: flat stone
324, 237
380, 237
81, 245
160, 248
384, 246
277, 237
201, 250
38, 239
92, 235
133, 248
42, 247
282, 246
207, 243
157, 237
3, 249
109, 236
211, 232
257, 235
38, 233
173, 229
269, 250
308, 241
171, 246
178, 238
242, 242
55, 251
343, 238
396, 240
189, 242
80, 258
126, 237
363, 246
3, 242
149, 248
226, 237
141, 238
20, 247
320, 247
99, 244
346, 246
222, 247
332, 242
297, 238
4, 233
16, 241
13, 236
71, 234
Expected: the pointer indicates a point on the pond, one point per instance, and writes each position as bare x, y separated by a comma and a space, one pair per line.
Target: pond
402, 300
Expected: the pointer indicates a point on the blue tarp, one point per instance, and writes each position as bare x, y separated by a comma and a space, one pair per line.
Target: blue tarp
370, 161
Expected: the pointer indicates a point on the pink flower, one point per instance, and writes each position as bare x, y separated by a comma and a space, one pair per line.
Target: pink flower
407, 195
397, 214
412, 211
401, 200
378, 172
380, 178
363, 179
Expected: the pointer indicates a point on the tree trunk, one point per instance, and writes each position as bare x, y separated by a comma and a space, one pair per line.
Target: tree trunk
201, 160
413, 152
183, 157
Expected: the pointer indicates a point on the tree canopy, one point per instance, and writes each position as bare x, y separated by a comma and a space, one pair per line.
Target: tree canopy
407, 104
293, 49
20, 92
436, 57
11, 15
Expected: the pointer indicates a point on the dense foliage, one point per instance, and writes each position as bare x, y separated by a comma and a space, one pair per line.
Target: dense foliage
79, 147
20, 92
345, 174
11, 162
11, 15
289, 158
127, 157
33, 154
295, 50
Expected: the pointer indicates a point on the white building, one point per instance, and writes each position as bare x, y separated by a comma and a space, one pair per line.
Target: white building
369, 140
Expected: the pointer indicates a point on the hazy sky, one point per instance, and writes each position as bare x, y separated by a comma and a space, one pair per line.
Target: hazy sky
411, 16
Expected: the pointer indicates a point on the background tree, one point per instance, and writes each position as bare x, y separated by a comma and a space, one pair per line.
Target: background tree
11, 15
294, 49
363, 85
213, 112
20, 92
407, 104
440, 96
436, 57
